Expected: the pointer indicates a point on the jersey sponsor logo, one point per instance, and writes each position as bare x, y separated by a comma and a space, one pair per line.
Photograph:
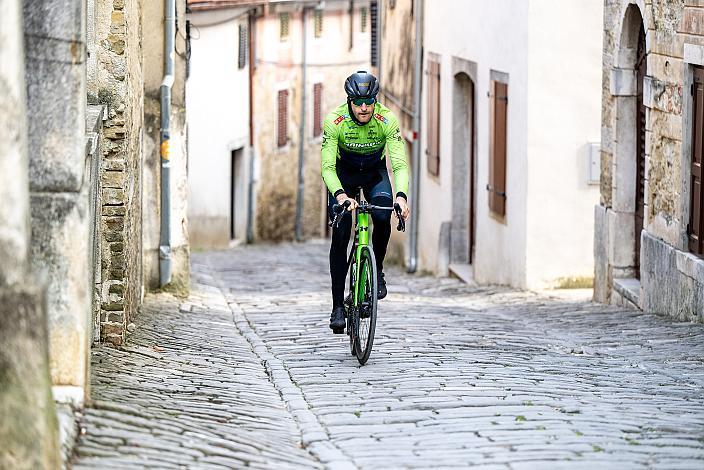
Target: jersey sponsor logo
381, 118
338, 120
362, 145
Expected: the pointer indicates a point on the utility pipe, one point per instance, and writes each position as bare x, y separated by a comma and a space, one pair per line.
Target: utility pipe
301, 137
415, 169
252, 154
164, 134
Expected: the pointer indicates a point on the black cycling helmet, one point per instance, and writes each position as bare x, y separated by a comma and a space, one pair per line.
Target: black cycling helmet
361, 84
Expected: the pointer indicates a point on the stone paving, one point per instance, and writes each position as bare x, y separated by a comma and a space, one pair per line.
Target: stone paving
246, 373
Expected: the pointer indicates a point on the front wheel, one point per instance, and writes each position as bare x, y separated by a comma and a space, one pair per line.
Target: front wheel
365, 313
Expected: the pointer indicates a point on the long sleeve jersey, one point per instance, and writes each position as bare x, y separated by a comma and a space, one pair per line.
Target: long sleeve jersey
360, 148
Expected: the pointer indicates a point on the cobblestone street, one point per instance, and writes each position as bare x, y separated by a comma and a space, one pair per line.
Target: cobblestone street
246, 373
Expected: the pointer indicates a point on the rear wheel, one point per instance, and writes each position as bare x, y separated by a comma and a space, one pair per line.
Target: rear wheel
364, 316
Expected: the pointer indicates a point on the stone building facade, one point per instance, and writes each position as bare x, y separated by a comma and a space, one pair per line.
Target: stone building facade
29, 431
73, 154
646, 222
117, 83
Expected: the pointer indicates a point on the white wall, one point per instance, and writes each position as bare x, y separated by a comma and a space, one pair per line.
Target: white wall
217, 97
494, 35
564, 115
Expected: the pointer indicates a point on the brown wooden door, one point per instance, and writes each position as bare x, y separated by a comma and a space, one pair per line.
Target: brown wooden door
497, 151
640, 149
696, 220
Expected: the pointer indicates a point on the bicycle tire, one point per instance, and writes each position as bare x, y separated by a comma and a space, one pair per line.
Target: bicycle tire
365, 313
350, 308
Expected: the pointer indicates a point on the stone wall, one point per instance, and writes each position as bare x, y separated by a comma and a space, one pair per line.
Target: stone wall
119, 87
28, 425
669, 280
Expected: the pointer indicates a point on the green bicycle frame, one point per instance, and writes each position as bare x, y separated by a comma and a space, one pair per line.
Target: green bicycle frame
362, 235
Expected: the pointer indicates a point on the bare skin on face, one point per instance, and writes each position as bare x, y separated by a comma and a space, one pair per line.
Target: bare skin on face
362, 113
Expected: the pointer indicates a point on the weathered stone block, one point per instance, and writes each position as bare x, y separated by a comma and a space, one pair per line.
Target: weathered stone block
621, 236
117, 247
112, 196
114, 210
113, 236
114, 223
666, 289
29, 430
113, 179
56, 95
601, 260
61, 255
113, 164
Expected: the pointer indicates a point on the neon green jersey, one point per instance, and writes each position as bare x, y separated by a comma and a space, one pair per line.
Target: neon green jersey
359, 148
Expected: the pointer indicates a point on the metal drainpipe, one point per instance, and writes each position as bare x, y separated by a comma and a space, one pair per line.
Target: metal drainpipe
166, 84
252, 155
301, 137
415, 170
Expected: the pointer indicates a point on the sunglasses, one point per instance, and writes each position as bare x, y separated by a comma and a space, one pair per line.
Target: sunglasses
361, 101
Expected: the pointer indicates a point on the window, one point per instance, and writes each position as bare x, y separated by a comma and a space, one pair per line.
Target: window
317, 104
363, 19
432, 150
283, 26
318, 23
242, 58
282, 128
374, 50
498, 97
694, 229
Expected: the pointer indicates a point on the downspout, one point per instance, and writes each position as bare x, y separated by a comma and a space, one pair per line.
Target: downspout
415, 169
165, 131
379, 29
250, 185
301, 137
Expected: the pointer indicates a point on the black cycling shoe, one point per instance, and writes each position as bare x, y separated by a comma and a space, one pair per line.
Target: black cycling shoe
337, 320
381, 286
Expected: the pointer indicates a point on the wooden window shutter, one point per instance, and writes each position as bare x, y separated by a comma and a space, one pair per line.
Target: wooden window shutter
318, 23
497, 147
317, 117
694, 230
242, 58
433, 147
282, 132
373, 13
283, 26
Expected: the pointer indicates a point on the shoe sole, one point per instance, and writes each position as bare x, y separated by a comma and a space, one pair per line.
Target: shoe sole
338, 331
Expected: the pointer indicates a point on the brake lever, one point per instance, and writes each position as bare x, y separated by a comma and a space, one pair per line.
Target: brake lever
401, 227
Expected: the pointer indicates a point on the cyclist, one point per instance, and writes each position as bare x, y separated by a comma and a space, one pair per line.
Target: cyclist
355, 137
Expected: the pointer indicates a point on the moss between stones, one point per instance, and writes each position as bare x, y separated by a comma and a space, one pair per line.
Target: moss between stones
584, 282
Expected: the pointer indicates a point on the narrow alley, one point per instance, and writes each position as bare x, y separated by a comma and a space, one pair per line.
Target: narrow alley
245, 372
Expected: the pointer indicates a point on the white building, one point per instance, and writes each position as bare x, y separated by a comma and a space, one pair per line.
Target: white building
217, 97
510, 127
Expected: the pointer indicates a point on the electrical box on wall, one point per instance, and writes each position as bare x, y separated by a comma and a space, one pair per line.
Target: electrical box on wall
594, 163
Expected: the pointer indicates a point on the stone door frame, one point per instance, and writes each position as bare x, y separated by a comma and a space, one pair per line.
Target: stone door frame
623, 87
464, 161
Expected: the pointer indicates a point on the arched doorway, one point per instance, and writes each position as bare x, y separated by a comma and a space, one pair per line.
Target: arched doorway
462, 235
628, 193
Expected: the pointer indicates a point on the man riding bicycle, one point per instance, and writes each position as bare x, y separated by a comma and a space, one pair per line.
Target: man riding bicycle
355, 137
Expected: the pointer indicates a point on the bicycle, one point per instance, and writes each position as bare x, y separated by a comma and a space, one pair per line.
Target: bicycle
361, 301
